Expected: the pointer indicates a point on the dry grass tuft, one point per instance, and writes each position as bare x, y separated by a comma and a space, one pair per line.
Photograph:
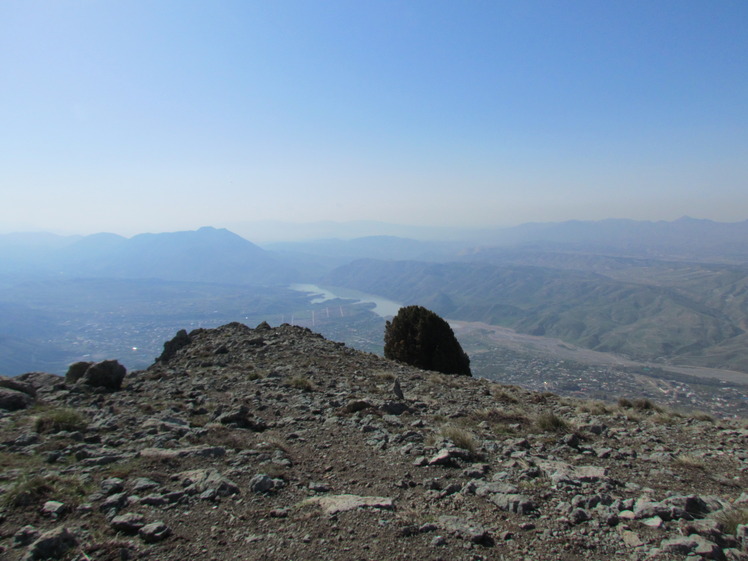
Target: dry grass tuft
504, 397
550, 422
703, 416
690, 461
58, 420
301, 383
595, 407
221, 435
730, 518
460, 437
29, 491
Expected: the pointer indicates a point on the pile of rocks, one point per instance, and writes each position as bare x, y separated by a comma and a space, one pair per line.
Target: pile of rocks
274, 443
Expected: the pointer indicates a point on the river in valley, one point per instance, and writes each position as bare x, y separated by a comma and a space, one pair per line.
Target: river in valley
382, 306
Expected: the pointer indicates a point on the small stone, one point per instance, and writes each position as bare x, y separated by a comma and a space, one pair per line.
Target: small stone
112, 485
579, 515
571, 440
114, 502
439, 541
679, 546
153, 500
332, 504
631, 539
25, 536
654, 522
397, 390
261, 483
198, 481
52, 545
154, 532
626, 515
55, 509
444, 457
143, 484
128, 523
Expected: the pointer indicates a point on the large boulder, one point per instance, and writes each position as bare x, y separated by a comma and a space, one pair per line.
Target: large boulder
52, 545
41, 380
13, 400
18, 385
107, 374
76, 371
15, 394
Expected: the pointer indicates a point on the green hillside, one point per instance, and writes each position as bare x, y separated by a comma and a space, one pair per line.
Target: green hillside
697, 321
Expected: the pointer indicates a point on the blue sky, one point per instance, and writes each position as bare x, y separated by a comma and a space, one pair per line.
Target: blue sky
132, 116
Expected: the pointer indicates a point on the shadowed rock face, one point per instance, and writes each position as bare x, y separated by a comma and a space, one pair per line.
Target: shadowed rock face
76, 371
181, 339
16, 394
107, 374
249, 441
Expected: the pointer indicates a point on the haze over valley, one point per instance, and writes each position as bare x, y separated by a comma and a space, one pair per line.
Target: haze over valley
639, 308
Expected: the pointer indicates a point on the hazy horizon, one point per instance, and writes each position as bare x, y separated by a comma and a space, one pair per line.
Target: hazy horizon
268, 232
154, 117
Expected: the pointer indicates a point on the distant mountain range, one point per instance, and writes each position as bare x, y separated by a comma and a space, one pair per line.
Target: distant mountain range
683, 239
204, 255
651, 290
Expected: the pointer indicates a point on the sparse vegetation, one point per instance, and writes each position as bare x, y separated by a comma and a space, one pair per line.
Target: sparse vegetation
460, 437
275, 471
550, 422
665, 418
646, 405
58, 420
274, 441
504, 397
500, 421
690, 461
703, 416
346, 440
385, 376
127, 468
595, 407
33, 490
730, 518
221, 435
640, 404
301, 383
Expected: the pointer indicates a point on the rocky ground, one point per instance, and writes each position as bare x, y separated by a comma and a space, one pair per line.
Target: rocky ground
274, 443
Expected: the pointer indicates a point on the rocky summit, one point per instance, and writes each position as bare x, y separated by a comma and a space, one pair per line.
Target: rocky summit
274, 443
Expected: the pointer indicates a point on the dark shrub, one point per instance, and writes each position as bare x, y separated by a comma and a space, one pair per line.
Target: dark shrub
419, 337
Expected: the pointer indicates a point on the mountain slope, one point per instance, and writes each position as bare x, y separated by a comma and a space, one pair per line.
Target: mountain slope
591, 310
278, 444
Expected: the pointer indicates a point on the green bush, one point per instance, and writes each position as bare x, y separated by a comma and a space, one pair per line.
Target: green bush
419, 337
